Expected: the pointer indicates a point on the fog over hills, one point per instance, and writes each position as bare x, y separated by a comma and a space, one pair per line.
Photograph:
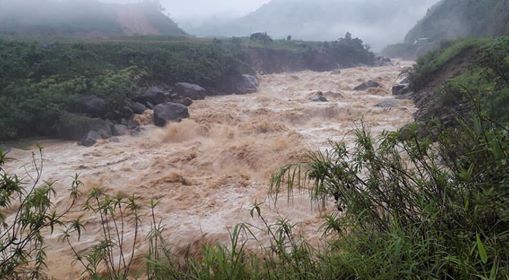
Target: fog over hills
452, 19
84, 18
377, 22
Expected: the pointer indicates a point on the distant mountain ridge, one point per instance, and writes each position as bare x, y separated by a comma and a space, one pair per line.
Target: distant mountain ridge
84, 18
451, 19
324, 20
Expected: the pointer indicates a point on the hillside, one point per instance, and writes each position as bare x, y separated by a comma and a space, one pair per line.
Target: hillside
301, 19
460, 79
452, 19
84, 18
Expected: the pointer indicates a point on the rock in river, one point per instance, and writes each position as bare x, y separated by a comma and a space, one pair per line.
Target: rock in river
169, 112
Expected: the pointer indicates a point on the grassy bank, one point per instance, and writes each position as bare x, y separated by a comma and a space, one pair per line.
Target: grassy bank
462, 77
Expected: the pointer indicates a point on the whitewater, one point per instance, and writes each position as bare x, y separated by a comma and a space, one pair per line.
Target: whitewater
207, 171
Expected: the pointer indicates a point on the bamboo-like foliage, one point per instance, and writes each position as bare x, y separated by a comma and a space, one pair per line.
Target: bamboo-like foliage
27, 212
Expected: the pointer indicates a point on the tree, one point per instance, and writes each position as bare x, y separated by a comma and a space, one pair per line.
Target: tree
261, 37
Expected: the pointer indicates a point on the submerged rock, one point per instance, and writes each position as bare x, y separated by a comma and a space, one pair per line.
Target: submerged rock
169, 112
90, 139
335, 72
367, 85
388, 103
119, 130
318, 97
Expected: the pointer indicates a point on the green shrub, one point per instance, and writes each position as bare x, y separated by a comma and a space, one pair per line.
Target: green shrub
23, 227
427, 66
413, 207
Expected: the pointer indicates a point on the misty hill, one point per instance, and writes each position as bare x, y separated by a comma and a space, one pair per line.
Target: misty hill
84, 18
324, 20
451, 19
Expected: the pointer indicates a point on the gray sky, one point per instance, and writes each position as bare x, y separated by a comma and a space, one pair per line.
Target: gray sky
187, 9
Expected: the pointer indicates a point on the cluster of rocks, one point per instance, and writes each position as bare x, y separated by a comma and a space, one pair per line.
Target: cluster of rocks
87, 130
91, 120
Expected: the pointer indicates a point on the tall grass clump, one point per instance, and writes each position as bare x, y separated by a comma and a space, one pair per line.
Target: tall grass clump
411, 208
429, 64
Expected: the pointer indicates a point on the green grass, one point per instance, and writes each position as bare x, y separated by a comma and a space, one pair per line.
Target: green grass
428, 65
462, 73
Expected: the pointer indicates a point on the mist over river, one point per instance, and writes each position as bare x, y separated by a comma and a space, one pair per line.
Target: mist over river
208, 170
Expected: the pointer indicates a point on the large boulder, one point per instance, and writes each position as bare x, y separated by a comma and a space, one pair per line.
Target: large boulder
402, 85
367, 85
169, 112
400, 89
191, 91
152, 96
137, 107
119, 130
92, 105
76, 127
246, 84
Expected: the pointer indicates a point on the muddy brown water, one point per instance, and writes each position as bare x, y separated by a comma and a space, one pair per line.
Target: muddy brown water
207, 171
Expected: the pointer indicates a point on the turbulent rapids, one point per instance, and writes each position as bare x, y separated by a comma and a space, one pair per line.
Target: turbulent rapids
208, 170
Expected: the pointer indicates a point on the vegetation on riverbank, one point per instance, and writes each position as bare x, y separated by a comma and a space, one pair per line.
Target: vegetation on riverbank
40, 81
462, 77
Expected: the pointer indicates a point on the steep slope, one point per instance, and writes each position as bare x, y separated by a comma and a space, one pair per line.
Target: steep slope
84, 18
459, 79
451, 19
324, 20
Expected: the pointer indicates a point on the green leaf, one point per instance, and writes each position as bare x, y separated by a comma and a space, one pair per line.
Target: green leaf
494, 271
482, 250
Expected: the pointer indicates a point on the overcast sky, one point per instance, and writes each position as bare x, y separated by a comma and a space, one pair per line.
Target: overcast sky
187, 9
